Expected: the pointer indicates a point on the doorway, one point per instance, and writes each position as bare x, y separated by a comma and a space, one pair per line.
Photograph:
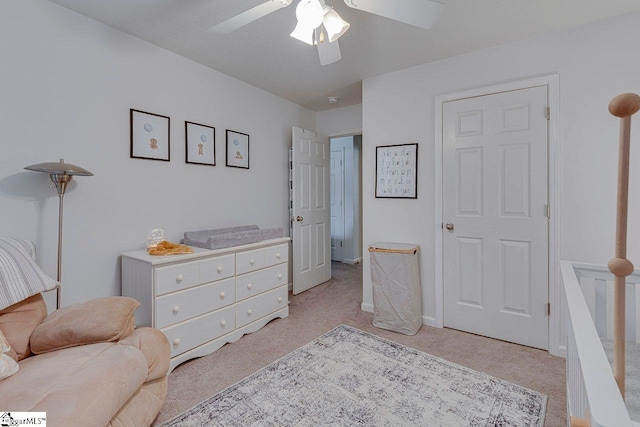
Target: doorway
495, 240
346, 199
469, 291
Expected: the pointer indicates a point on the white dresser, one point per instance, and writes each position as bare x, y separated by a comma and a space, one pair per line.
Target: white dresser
202, 301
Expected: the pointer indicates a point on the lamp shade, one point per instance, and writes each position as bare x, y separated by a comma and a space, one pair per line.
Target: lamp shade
309, 14
303, 33
59, 168
334, 24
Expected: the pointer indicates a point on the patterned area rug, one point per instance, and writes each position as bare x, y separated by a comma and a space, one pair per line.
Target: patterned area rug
348, 377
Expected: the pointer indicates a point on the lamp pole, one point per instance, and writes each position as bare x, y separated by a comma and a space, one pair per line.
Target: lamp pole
60, 174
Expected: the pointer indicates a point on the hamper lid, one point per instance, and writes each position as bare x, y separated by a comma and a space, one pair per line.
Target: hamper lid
397, 248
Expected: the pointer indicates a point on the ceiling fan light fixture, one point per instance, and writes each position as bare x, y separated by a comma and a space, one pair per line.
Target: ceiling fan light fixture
309, 14
303, 33
334, 24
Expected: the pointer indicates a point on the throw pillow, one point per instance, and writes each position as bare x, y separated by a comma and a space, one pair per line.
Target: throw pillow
19, 321
98, 320
8, 366
20, 276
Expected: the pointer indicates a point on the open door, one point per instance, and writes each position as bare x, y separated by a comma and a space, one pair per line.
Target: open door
311, 211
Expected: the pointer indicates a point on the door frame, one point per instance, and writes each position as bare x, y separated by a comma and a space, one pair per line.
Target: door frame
551, 81
354, 133
342, 201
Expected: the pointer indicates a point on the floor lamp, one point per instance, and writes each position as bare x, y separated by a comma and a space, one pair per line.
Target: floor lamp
60, 174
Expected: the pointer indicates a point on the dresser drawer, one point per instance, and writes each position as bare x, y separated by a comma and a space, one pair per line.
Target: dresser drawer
176, 277
249, 261
185, 275
217, 268
276, 254
192, 333
254, 308
257, 282
189, 303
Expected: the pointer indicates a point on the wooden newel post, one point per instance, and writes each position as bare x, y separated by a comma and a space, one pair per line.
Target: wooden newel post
623, 106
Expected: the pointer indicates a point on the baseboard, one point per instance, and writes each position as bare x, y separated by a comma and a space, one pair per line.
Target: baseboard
290, 287
429, 321
352, 261
560, 351
426, 320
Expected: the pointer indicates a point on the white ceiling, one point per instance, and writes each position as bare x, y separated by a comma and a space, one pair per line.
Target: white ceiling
263, 55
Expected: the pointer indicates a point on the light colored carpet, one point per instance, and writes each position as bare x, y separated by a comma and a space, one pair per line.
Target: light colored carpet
349, 377
336, 302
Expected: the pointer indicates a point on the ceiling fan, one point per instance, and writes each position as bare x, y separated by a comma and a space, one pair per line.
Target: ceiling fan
320, 25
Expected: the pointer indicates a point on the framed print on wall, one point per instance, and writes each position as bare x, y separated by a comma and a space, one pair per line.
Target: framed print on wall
200, 144
397, 171
237, 149
149, 136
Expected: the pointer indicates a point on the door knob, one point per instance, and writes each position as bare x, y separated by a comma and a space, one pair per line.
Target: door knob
449, 226
299, 218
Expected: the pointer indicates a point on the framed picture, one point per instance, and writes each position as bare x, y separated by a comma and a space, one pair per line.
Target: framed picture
397, 171
149, 136
237, 149
200, 144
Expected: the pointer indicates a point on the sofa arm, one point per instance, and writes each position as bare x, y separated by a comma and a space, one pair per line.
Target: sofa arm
155, 347
98, 320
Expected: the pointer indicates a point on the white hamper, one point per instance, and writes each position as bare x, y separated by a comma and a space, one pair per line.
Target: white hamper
397, 296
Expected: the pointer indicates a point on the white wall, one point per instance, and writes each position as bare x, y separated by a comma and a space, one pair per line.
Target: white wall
340, 121
594, 62
68, 83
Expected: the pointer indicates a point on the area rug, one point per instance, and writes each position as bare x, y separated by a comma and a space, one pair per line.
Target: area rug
348, 377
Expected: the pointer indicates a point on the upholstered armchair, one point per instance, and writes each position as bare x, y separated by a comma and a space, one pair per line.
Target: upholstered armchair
84, 364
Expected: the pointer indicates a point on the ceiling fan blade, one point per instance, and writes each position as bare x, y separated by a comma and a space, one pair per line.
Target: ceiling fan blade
329, 52
249, 16
420, 13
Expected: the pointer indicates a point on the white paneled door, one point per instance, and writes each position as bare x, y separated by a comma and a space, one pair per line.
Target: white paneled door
311, 211
495, 216
337, 203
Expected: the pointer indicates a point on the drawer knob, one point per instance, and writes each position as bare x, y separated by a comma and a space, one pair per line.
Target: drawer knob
279, 299
278, 255
252, 261
223, 323
279, 276
179, 278
249, 312
176, 308
176, 342
222, 295
249, 286
219, 269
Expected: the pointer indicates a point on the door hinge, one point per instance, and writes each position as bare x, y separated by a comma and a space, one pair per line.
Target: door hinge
548, 209
547, 113
549, 309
